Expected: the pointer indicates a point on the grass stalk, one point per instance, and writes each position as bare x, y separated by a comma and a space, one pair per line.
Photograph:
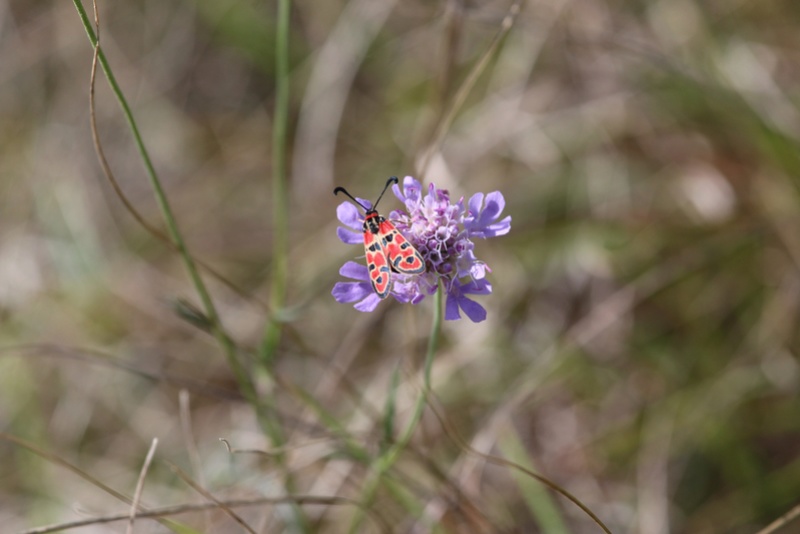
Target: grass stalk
218, 331
464, 90
266, 415
386, 460
280, 194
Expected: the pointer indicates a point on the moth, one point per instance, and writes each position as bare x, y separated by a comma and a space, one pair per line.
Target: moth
385, 247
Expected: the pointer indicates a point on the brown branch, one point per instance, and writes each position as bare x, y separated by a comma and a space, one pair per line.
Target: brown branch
167, 511
159, 513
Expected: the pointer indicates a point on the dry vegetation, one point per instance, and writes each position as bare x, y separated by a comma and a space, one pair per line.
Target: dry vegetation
641, 348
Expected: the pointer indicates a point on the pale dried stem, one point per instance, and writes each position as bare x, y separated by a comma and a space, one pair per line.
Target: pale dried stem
137, 495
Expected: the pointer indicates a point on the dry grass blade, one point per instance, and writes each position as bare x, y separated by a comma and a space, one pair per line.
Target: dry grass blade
55, 459
453, 434
97, 357
205, 493
641, 336
781, 522
137, 495
274, 452
185, 412
463, 91
168, 511
109, 174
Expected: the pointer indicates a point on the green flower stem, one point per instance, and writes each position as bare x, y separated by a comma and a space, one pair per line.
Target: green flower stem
266, 415
388, 458
280, 227
350, 446
280, 196
222, 337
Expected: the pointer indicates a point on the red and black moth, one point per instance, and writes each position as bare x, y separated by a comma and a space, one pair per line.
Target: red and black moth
386, 248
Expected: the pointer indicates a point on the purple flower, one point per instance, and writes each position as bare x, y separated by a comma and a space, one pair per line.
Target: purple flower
360, 291
442, 232
456, 300
480, 222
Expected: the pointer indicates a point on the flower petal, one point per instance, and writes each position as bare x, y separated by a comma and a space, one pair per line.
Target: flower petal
354, 270
478, 270
476, 287
348, 237
480, 221
472, 309
398, 193
368, 304
499, 228
406, 289
451, 308
349, 215
475, 205
494, 206
351, 291
410, 193
411, 188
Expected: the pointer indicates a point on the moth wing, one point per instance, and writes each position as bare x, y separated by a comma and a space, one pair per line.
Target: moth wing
402, 255
378, 264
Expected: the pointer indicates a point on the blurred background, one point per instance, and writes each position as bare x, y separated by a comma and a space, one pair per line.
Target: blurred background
641, 343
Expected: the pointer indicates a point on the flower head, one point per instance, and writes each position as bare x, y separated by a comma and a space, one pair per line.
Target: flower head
442, 233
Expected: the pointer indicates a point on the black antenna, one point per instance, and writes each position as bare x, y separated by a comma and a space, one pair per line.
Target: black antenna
343, 190
390, 181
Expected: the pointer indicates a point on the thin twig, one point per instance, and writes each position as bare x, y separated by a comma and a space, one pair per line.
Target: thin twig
137, 495
186, 508
274, 452
185, 415
205, 493
453, 434
466, 87
106, 359
57, 460
112, 179
782, 521
227, 344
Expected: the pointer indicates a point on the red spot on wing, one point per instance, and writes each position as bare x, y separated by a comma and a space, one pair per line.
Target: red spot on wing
402, 255
377, 263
